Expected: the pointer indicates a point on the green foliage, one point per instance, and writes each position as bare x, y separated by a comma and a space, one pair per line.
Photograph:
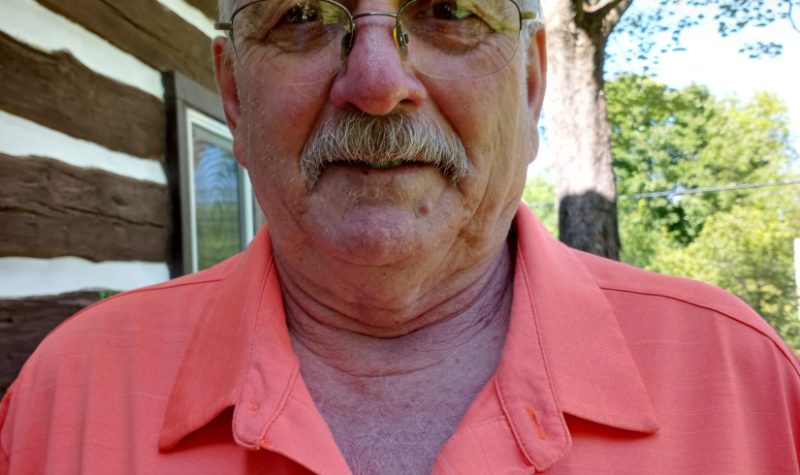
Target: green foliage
740, 240
540, 196
104, 294
664, 139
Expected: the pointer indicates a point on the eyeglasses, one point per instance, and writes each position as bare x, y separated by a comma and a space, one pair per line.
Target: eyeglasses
308, 41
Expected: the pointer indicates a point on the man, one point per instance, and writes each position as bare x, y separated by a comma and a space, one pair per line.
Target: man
403, 314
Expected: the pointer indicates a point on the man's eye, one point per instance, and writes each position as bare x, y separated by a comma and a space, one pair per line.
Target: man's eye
301, 14
450, 11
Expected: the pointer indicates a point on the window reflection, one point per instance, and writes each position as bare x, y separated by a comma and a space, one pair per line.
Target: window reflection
217, 187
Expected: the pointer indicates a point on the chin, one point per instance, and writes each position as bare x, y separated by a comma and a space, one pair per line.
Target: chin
377, 237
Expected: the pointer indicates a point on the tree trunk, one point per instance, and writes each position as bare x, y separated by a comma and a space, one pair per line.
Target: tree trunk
577, 130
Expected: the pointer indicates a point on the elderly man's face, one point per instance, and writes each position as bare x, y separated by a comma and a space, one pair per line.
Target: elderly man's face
376, 203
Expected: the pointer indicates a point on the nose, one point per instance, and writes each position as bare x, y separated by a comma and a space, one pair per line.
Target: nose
375, 78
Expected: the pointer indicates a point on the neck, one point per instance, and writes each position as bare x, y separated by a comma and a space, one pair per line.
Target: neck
391, 402
459, 319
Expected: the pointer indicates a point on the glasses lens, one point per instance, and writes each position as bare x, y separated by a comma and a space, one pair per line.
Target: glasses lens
298, 41
460, 38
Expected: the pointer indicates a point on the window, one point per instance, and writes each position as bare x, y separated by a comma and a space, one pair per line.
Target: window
217, 213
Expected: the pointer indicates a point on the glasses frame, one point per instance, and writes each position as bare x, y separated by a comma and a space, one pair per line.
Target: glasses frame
398, 33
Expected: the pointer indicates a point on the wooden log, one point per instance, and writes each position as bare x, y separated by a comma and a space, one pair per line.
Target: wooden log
25, 322
50, 209
208, 7
146, 29
58, 92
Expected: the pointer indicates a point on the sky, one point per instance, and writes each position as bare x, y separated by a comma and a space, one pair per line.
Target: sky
714, 61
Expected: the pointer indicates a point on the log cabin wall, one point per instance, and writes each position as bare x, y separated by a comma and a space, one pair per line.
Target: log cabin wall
85, 203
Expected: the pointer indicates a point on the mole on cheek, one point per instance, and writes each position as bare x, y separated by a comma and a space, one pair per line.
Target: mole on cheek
422, 210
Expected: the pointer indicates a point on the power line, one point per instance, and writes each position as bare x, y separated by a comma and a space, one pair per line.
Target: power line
709, 189
689, 191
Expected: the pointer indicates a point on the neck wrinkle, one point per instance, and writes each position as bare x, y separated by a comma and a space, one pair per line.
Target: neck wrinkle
474, 317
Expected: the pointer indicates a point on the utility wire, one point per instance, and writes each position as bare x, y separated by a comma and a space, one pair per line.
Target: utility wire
709, 189
689, 191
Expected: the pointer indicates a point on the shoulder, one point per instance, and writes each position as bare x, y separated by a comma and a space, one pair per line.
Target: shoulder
717, 374
616, 276
113, 364
165, 304
146, 326
650, 304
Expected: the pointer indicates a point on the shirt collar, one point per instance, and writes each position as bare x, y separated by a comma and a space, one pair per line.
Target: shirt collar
220, 357
565, 351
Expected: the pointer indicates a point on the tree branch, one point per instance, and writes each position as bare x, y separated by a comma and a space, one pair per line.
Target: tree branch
791, 17
605, 13
592, 8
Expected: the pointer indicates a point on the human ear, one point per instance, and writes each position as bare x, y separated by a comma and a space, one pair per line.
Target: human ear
226, 83
537, 71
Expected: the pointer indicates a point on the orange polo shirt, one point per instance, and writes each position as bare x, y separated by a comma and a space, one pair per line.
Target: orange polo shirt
606, 369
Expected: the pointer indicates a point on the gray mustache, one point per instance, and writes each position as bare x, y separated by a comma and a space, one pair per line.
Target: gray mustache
363, 138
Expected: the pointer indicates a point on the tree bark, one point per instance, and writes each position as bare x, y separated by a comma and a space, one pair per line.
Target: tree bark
578, 134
